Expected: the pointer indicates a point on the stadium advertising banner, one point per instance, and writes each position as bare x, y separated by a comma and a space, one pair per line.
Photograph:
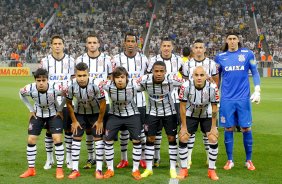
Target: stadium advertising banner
14, 71
276, 72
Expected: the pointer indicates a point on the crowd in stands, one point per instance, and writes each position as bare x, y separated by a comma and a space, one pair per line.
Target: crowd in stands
21, 24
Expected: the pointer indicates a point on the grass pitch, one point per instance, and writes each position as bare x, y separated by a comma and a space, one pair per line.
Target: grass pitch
266, 152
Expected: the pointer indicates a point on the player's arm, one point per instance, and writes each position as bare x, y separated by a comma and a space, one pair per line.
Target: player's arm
214, 130
183, 101
100, 94
75, 124
60, 92
24, 93
256, 79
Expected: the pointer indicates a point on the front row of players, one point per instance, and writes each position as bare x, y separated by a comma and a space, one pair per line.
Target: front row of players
90, 106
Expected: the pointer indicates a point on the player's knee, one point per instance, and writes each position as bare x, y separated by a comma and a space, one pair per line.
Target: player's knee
88, 131
32, 139
245, 129
77, 138
57, 138
229, 129
171, 138
134, 141
184, 138
212, 139
97, 138
151, 139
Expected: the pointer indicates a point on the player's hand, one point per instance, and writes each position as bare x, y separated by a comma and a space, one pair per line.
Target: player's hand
32, 114
214, 131
99, 127
183, 134
256, 95
74, 126
60, 114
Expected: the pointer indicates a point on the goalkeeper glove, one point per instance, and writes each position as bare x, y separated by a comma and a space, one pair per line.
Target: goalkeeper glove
256, 95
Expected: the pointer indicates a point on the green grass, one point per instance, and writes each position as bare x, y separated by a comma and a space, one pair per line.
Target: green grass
266, 153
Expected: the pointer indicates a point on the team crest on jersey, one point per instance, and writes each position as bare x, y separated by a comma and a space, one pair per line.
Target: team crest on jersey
100, 63
66, 66
222, 119
51, 97
205, 94
174, 63
241, 58
128, 92
138, 63
90, 92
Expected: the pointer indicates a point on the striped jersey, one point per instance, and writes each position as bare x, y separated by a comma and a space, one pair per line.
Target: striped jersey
208, 64
173, 65
45, 104
160, 98
199, 100
136, 67
123, 103
58, 70
99, 67
87, 98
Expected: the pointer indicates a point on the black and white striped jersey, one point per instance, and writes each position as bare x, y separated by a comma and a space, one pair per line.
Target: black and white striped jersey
87, 98
160, 98
199, 100
136, 67
123, 103
58, 70
99, 67
173, 65
45, 104
208, 64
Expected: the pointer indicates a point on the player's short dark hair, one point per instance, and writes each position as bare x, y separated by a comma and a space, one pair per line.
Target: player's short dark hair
130, 34
160, 63
166, 38
228, 33
40, 72
57, 37
118, 71
81, 67
186, 51
92, 35
198, 41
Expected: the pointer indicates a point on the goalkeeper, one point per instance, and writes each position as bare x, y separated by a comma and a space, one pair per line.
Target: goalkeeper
234, 64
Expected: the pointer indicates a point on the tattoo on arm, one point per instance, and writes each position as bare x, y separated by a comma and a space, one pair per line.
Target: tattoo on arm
214, 114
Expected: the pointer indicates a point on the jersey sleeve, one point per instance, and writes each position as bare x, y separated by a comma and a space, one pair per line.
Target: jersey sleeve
99, 91
68, 90
184, 92
139, 83
185, 71
217, 62
177, 82
109, 65
213, 68
59, 91
253, 68
24, 93
150, 65
215, 94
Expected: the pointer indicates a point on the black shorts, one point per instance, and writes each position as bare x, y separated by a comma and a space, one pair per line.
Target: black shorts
169, 123
67, 119
193, 123
142, 111
130, 123
86, 122
54, 124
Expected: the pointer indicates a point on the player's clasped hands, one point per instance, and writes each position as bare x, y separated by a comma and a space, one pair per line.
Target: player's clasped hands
99, 127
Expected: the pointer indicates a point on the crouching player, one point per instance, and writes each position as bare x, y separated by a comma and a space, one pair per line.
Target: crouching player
88, 112
45, 110
123, 114
201, 98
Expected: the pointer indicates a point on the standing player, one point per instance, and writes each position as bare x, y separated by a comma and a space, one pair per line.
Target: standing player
198, 105
88, 112
123, 114
173, 64
235, 107
60, 67
100, 68
199, 59
159, 87
45, 110
136, 64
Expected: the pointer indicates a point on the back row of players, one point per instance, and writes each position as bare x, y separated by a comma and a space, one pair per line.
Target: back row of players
162, 88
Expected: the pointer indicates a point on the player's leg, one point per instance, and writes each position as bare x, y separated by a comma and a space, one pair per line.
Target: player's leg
150, 127
124, 139
142, 111
90, 150
76, 145
227, 119
133, 125
245, 122
157, 145
34, 130
190, 146
192, 126
56, 128
112, 127
68, 137
49, 150
213, 146
170, 125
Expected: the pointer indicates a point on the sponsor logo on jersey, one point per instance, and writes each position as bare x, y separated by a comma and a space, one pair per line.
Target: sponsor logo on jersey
159, 97
58, 77
96, 75
234, 68
134, 75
